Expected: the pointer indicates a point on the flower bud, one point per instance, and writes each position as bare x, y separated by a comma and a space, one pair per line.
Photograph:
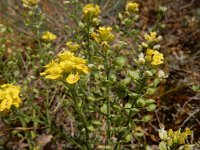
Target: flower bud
162, 134
141, 60
169, 142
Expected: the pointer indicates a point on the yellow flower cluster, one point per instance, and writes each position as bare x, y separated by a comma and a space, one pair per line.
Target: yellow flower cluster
29, 3
91, 11
132, 7
103, 37
48, 36
155, 57
66, 66
174, 137
152, 37
72, 46
9, 96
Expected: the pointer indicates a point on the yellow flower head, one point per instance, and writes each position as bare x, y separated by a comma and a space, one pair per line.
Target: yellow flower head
152, 37
9, 96
64, 65
105, 34
29, 3
157, 58
154, 56
132, 7
91, 10
48, 36
53, 71
72, 79
72, 46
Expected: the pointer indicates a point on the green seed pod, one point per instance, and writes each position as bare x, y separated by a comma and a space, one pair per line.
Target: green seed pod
139, 134
96, 123
151, 107
113, 78
128, 137
90, 98
146, 118
133, 74
133, 95
148, 73
120, 61
126, 81
140, 102
150, 101
151, 91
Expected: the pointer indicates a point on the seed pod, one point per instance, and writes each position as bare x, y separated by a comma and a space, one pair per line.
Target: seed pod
140, 102
126, 81
146, 118
151, 107
120, 61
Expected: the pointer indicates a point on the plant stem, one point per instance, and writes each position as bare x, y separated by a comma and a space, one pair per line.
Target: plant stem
107, 99
80, 114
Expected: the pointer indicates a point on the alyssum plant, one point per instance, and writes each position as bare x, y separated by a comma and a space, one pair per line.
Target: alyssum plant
107, 94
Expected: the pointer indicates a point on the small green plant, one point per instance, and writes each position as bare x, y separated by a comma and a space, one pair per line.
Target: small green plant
112, 89
102, 89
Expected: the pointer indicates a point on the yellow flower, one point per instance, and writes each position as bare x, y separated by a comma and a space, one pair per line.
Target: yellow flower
64, 65
188, 131
72, 46
105, 34
152, 37
91, 10
30, 3
132, 7
157, 58
67, 55
48, 36
154, 56
170, 133
105, 45
72, 79
53, 71
9, 95
95, 36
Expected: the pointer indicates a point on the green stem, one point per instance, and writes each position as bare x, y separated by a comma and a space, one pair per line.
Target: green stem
88, 41
47, 108
139, 90
80, 114
107, 99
